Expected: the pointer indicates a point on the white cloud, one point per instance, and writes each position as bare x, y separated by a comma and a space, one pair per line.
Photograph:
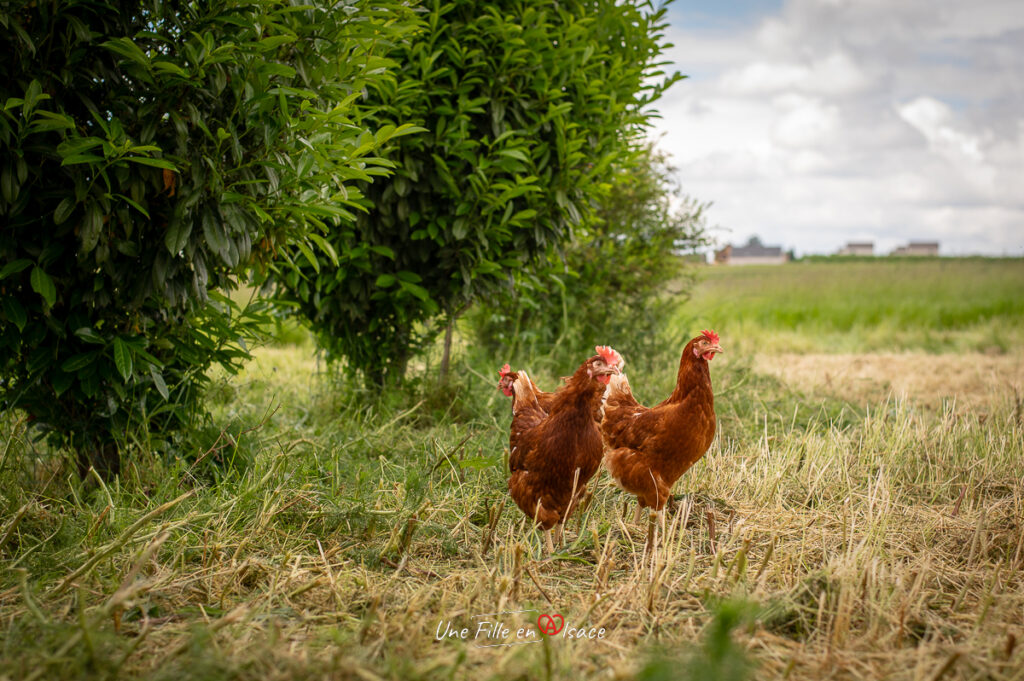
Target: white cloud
936, 122
834, 74
933, 119
805, 122
834, 120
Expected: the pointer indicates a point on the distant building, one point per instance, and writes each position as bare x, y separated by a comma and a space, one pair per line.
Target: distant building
857, 248
918, 248
754, 253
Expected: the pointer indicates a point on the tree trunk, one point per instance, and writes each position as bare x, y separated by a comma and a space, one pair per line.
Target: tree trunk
446, 354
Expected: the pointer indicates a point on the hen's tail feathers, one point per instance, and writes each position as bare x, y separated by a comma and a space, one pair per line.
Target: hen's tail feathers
525, 392
619, 391
619, 384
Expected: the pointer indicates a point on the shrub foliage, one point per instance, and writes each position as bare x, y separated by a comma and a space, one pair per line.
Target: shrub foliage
616, 281
525, 110
153, 151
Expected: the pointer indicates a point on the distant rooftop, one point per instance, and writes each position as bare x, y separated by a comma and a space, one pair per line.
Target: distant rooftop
755, 249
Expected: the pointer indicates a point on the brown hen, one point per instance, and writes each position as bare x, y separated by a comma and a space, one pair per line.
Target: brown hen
506, 377
651, 447
554, 453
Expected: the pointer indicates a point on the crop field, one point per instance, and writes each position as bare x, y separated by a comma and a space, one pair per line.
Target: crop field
860, 514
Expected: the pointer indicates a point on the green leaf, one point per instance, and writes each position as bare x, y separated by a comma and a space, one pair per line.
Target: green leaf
133, 204
92, 225
213, 230
45, 121
149, 161
326, 247
123, 359
61, 381
78, 145
43, 285
274, 42
64, 209
306, 251
81, 158
407, 129
41, 358
8, 185
158, 382
77, 362
87, 334
177, 234
14, 267
274, 69
33, 95
15, 312
128, 49
410, 277
514, 153
169, 67
415, 289
385, 280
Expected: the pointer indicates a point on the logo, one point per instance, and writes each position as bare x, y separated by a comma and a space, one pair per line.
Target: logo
514, 628
547, 624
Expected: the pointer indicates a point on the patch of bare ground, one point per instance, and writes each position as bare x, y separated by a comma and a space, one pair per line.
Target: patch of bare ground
971, 379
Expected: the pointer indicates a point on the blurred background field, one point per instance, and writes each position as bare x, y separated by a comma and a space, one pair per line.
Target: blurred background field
870, 305
936, 330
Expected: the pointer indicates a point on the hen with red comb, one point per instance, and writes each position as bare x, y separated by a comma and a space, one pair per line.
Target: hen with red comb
610, 356
649, 448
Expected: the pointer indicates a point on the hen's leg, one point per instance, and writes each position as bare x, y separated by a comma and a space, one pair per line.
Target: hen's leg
546, 518
622, 464
655, 528
650, 532
655, 503
587, 499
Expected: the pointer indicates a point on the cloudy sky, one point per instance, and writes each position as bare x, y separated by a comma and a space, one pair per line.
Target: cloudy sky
815, 122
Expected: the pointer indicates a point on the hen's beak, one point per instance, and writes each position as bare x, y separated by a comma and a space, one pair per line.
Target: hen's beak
608, 371
716, 348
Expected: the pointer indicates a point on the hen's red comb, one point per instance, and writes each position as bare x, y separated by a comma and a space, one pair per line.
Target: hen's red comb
504, 371
711, 336
610, 356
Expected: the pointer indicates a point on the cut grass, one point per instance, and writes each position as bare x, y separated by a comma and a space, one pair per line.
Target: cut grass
323, 531
965, 381
876, 545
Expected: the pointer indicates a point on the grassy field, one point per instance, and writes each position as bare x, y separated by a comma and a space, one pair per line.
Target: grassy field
832, 531
932, 305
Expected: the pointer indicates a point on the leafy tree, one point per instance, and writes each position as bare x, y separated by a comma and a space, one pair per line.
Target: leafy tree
152, 152
526, 106
616, 280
